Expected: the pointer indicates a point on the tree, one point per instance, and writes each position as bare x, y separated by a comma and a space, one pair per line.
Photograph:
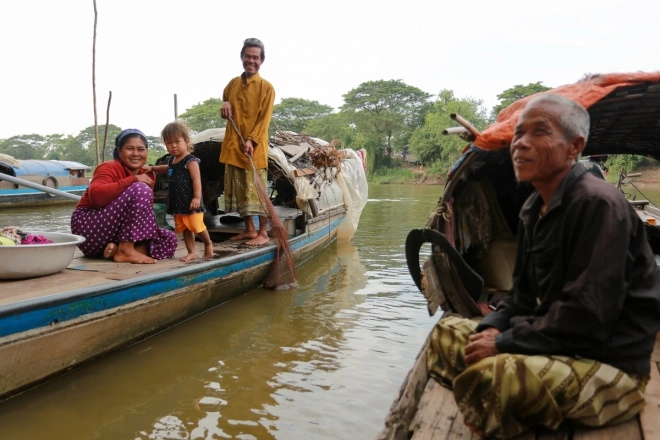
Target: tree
385, 113
434, 148
293, 114
509, 96
203, 116
26, 146
334, 126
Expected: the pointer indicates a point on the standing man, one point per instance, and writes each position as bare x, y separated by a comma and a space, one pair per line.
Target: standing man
248, 101
573, 338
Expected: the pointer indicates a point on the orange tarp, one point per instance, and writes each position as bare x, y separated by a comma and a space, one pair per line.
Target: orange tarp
586, 92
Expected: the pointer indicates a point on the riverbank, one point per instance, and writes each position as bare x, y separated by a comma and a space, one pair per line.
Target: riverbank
650, 177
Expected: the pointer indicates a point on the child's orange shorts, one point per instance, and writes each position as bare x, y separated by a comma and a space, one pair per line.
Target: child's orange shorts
190, 222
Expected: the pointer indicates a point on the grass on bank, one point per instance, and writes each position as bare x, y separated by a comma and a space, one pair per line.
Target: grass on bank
395, 176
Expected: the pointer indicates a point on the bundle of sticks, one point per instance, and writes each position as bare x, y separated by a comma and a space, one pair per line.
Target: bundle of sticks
327, 156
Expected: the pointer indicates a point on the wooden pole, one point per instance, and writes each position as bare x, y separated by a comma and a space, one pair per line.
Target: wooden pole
176, 112
96, 123
107, 123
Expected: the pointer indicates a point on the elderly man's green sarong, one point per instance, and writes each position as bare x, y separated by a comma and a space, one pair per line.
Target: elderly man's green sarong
505, 395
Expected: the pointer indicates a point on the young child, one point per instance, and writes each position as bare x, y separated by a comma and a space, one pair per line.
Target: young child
185, 189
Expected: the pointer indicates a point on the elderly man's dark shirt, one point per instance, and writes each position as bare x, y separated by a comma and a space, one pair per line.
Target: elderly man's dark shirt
586, 283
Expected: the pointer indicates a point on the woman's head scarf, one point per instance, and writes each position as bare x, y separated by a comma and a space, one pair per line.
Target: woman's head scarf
123, 136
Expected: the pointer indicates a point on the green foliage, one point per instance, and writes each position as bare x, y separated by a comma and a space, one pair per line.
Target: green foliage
156, 149
513, 94
293, 114
385, 113
333, 126
618, 163
394, 176
203, 116
27, 146
430, 145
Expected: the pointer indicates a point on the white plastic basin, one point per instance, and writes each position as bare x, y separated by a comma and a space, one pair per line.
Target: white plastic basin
36, 260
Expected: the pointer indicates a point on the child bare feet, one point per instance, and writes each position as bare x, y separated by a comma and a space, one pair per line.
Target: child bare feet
208, 250
189, 257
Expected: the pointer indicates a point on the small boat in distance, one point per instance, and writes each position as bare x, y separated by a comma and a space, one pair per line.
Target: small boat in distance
66, 176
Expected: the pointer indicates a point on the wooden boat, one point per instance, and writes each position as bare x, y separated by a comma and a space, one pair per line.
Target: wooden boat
53, 323
62, 175
473, 234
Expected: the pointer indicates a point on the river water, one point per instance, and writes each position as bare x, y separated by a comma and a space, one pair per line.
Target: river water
323, 361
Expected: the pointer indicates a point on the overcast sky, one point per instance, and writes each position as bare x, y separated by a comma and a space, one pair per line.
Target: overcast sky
149, 50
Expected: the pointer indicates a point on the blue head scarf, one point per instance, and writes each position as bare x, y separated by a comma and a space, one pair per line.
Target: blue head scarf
121, 137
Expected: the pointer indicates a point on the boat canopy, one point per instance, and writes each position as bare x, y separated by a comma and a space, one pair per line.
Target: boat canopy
41, 167
624, 110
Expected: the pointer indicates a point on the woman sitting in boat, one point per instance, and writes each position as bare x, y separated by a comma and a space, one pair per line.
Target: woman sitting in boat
116, 215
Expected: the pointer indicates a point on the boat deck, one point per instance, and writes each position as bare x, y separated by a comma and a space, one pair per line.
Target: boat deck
85, 272
426, 410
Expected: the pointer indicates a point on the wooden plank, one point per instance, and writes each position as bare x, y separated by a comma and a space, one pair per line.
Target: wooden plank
655, 356
650, 416
404, 406
304, 172
436, 415
629, 430
563, 433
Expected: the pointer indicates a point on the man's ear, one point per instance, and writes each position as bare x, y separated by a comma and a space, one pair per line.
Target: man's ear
575, 146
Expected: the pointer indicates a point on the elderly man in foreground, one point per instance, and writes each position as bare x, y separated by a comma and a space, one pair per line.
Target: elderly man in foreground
574, 336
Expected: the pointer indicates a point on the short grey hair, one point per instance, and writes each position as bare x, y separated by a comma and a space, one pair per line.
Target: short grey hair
254, 42
574, 119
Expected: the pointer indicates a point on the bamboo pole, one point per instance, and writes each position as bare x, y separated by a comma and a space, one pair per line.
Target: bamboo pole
107, 123
46, 189
458, 118
96, 123
454, 130
176, 112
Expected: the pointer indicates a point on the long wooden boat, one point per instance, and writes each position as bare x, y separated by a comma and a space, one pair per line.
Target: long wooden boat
61, 175
473, 234
53, 323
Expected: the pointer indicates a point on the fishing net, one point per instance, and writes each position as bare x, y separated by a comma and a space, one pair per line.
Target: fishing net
282, 273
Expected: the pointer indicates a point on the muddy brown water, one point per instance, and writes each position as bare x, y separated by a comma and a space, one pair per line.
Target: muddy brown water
322, 361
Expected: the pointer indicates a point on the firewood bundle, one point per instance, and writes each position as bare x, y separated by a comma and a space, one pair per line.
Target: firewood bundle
327, 156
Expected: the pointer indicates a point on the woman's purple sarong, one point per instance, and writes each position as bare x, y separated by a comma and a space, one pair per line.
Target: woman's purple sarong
130, 217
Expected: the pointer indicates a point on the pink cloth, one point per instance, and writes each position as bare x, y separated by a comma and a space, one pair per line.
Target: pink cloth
36, 239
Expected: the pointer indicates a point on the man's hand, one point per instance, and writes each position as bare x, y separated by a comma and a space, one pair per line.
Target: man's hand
482, 345
225, 111
248, 148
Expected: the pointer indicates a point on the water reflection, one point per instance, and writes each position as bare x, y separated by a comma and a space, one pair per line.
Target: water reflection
322, 361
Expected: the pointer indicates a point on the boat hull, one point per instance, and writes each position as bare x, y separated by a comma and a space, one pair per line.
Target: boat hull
25, 197
40, 339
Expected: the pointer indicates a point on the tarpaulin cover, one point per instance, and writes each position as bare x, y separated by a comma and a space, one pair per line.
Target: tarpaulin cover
585, 92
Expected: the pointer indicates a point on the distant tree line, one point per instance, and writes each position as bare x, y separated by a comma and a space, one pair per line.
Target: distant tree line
386, 118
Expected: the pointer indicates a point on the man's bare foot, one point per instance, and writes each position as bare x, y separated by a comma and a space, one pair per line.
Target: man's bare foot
259, 240
208, 251
110, 250
126, 253
244, 235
